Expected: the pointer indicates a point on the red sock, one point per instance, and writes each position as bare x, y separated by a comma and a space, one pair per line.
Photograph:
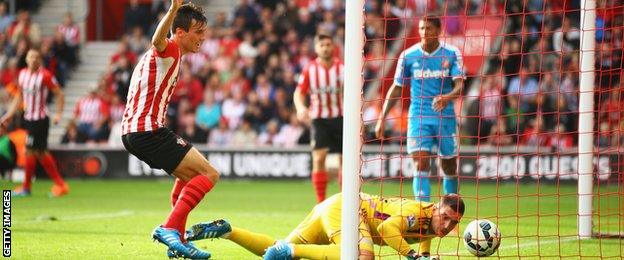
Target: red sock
49, 165
175, 192
319, 180
29, 170
192, 193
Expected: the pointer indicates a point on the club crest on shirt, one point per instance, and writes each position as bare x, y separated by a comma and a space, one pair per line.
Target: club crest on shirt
181, 142
445, 64
411, 221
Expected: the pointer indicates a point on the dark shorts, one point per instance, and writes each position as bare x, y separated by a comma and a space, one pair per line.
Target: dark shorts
327, 133
37, 133
160, 149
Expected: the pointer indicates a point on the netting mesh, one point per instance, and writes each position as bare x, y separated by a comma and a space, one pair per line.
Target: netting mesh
517, 120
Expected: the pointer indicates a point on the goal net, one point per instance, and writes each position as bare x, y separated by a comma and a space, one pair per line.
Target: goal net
539, 127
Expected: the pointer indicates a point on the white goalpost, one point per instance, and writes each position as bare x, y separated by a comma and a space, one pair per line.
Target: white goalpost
352, 141
586, 117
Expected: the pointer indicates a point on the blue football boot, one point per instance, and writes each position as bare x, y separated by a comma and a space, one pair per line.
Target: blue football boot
280, 251
195, 253
215, 229
171, 238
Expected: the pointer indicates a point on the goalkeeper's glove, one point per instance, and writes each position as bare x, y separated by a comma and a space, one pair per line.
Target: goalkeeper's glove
412, 255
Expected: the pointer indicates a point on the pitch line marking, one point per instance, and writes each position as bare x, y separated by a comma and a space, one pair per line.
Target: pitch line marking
45, 218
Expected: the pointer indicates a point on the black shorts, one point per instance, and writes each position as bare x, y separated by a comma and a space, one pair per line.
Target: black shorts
327, 133
37, 133
160, 149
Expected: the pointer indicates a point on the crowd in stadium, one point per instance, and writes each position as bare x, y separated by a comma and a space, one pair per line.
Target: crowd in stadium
238, 89
18, 33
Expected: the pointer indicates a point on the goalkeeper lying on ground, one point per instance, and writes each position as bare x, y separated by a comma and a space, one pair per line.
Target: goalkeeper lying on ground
394, 222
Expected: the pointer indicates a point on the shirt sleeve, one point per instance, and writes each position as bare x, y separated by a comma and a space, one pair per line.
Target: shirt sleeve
401, 73
392, 230
170, 51
457, 67
50, 81
424, 246
304, 81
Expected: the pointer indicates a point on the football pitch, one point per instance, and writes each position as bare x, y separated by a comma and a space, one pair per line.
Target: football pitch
114, 219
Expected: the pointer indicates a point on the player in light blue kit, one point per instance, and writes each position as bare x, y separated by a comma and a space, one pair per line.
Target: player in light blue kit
435, 73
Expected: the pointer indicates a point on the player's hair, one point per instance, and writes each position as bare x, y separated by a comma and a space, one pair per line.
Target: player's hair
435, 20
321, 36
185, 16
455, 202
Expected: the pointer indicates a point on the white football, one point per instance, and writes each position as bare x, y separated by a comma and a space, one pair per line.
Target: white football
482, 237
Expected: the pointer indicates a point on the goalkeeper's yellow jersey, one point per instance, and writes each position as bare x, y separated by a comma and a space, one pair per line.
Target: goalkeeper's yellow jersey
399, 222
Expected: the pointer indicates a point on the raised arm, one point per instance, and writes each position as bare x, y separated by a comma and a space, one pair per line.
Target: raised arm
159, 39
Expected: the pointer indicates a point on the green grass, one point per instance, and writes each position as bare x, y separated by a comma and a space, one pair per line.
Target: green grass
114, 219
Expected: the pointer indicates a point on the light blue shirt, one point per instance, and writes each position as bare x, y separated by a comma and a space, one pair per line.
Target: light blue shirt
430, 75
208, 116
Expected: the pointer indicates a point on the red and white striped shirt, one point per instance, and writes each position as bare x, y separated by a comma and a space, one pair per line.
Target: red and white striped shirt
35, 87
71, 33
91, 109
324, 85
151, 86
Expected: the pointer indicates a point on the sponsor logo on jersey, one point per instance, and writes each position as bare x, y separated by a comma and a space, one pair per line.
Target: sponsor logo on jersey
427, 73
181, 142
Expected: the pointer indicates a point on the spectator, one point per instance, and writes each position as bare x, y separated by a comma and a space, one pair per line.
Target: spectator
55, 66
188, 88
233, 109
20, 52
525, 87
221, 136
92, 115
72, 135
123, 50
491, 8
135, 15
264, 88
612, 110
566, 37
120, 78
561, 140
498, 135
189, 131
6, 19
510, 57
117, 109
62, 51
269, 135
208, 113
71, 34
490, 103
248, 12
210, 46
8, 76
24, 28
305, 25
289, 134
542, 52
244, 135
138, 41
246, 48
237, 83
534, 134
